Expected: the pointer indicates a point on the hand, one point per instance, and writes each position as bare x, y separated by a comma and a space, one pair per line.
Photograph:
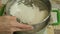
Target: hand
9, 24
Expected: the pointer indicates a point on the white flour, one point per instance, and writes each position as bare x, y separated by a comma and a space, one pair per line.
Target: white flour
30, 15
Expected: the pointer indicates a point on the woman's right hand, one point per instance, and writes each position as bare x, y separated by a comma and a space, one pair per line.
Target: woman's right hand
9, 24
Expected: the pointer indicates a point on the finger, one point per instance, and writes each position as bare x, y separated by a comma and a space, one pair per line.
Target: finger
17, 29
10, 18
23, 26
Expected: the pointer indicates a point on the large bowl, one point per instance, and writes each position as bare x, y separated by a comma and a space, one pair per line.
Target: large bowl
37, 27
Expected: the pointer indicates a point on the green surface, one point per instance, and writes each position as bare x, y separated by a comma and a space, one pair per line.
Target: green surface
2, 10
58, 17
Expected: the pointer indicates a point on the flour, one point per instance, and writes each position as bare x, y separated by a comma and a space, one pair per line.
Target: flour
30, 15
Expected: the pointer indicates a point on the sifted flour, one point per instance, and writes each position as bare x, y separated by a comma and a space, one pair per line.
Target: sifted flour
30, 15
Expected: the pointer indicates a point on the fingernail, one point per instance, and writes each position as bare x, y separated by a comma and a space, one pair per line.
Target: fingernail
31, 27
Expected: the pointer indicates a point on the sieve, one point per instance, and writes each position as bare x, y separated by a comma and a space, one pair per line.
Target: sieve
43, 5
